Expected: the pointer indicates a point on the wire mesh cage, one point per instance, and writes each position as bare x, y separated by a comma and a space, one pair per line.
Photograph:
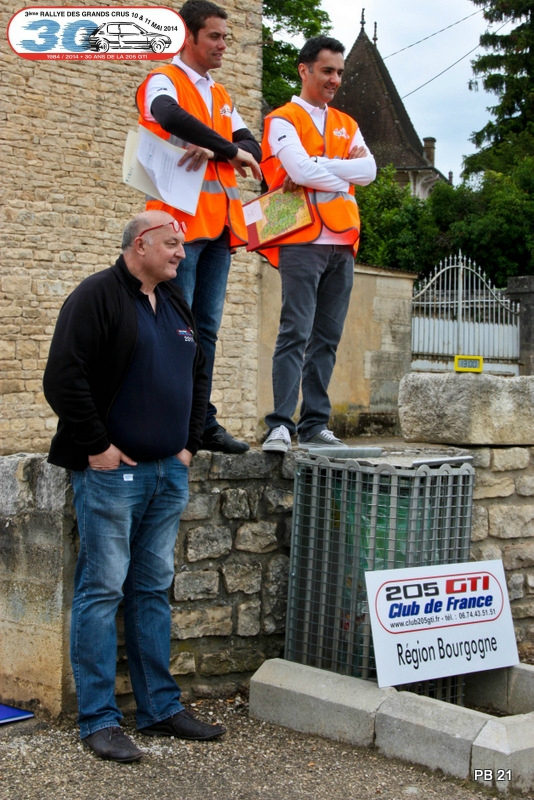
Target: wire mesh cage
351, 516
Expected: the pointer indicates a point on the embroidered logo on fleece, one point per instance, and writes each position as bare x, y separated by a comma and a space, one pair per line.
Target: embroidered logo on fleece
342, 133
226, 111
186, 333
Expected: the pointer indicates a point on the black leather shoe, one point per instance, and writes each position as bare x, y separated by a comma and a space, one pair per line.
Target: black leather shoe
184, 726
218, 440
113, 744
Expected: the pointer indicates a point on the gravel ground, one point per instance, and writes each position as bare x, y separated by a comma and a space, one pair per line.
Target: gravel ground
42, 760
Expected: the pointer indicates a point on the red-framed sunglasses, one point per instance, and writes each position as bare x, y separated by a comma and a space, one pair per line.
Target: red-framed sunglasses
176, 225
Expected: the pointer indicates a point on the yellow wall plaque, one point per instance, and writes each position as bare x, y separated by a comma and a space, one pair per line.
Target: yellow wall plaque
468, 363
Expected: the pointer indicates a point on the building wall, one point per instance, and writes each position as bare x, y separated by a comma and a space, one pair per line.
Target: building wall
62, 134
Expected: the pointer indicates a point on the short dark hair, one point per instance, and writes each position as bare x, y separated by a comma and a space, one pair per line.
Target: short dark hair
310, 52
195, 13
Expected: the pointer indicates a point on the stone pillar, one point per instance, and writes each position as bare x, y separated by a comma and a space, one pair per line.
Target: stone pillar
493, 417
522, 289
37, 559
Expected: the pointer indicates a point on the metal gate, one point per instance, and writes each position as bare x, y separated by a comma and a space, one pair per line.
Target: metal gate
457, 311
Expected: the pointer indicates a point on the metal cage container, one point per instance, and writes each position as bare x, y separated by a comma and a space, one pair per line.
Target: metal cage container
351, 516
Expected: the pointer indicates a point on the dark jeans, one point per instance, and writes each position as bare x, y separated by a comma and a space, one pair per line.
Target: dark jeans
316, 285
128, 521
202, 277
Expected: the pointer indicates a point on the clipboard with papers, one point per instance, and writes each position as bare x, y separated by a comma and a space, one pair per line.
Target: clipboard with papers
275, 214
150, 164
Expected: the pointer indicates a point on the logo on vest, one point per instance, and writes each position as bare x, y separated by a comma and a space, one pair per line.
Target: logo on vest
341, 133
226, 111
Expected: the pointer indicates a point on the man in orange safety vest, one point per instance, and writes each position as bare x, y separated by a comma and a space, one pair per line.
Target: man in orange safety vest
308, 144
182, 103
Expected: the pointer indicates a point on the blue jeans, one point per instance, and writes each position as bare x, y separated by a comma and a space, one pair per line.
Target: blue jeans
202, 277
128, 521
316, 286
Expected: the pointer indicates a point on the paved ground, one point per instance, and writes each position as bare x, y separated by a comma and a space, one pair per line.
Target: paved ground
253, 761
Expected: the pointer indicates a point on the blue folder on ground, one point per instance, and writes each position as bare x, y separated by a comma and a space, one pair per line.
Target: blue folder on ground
11, 714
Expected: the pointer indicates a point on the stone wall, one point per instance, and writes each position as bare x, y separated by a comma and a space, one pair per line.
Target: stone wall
229, 594
503, 527
493, 418
37, 558
228, 597
62, 134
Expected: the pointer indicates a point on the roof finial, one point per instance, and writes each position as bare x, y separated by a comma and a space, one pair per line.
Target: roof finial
362, 21
375, 37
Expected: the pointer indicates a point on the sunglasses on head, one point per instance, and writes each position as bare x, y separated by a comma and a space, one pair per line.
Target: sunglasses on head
176, 225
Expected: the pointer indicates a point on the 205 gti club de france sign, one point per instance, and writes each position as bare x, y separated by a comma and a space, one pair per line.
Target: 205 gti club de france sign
431, 622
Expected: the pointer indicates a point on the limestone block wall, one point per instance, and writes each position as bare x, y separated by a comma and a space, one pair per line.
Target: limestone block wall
63, 207
37, 558
503, 527
229, 594
493, 418
228, 597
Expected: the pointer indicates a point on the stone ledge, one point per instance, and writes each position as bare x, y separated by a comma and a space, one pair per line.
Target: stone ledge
429, 732
316, 701
462, 409
452, 738
504, 751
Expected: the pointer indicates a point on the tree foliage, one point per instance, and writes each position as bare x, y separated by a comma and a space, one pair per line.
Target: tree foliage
490, 220
508, 72
288, 18
397, 229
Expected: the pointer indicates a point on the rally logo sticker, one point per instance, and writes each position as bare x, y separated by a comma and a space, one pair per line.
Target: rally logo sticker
81, 33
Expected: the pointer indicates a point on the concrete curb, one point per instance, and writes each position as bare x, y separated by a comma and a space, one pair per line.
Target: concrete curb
496, 752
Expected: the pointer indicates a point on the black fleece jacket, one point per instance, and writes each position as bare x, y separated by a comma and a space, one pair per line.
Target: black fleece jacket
90, 354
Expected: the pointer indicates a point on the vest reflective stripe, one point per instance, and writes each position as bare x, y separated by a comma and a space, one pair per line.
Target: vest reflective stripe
337, 211
212, 187
219, 204
326, 197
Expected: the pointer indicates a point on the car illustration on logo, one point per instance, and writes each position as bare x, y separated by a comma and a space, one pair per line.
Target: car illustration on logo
126, 36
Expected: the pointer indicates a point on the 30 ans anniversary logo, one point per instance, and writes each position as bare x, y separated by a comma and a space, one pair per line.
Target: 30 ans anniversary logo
77, 33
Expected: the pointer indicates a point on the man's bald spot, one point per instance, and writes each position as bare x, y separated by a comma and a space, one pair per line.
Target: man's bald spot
147, 219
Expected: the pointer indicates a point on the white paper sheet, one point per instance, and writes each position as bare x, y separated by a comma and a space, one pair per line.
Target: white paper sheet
150, 164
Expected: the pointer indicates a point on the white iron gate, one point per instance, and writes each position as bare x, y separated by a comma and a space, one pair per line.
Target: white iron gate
456, 311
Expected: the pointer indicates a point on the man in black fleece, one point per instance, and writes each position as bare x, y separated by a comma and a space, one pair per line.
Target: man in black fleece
126, 377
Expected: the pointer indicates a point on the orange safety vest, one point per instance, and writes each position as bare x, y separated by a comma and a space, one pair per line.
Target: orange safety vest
219, 204
337, 211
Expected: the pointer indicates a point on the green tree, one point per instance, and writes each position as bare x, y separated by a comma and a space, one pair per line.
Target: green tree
490, 219
397, 229
289, 18
508, 72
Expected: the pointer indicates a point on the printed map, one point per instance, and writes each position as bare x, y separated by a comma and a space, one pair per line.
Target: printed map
278, 212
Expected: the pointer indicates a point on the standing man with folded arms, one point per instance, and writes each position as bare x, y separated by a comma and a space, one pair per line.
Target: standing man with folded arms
308, 144
182, 103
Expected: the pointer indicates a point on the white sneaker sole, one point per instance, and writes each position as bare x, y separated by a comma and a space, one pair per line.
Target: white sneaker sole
316, 445
277, 446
